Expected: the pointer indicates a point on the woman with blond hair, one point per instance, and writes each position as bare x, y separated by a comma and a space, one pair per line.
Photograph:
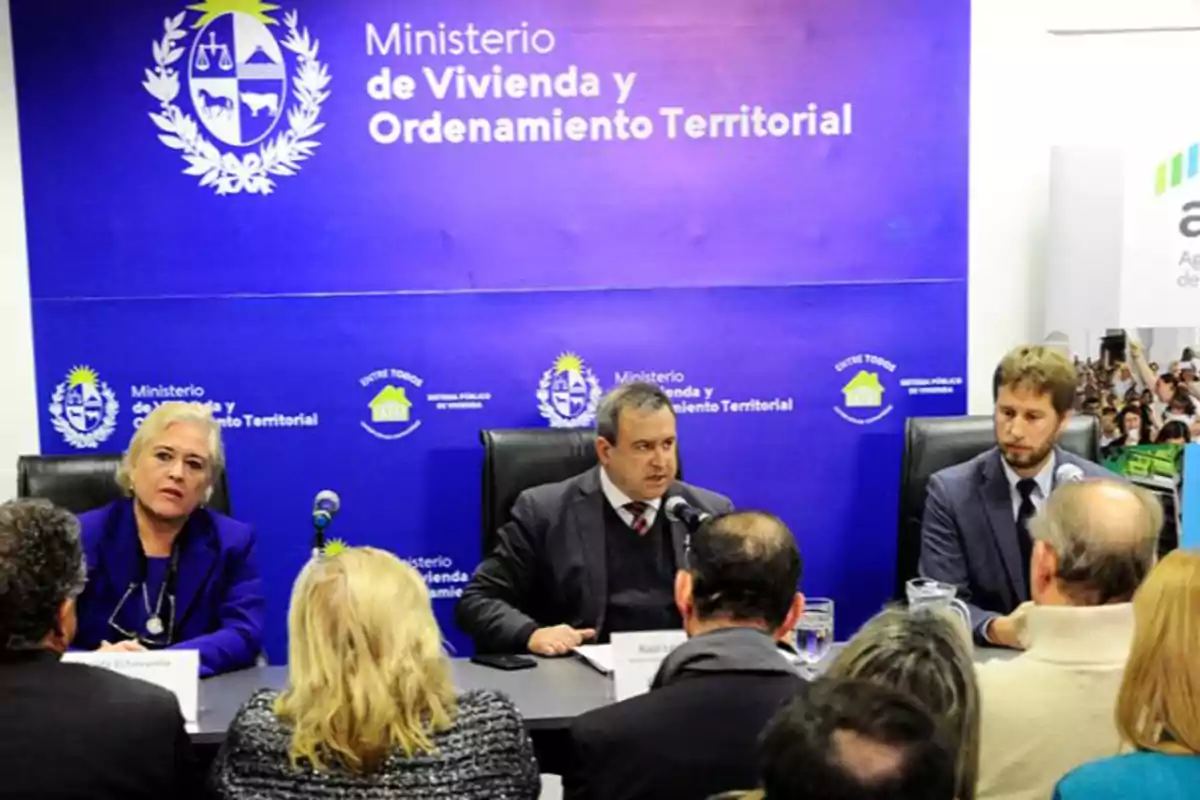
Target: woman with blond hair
926, 653
369, 710
163, 570
1158, 708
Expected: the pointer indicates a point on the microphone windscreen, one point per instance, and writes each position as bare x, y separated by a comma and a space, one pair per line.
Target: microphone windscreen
1068, 473
327, 499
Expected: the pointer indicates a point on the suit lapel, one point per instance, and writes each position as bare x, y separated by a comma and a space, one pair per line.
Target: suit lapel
587, 517
198, 556
997, 503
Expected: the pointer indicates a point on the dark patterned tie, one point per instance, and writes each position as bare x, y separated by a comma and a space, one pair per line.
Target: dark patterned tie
638, 510
1026, 486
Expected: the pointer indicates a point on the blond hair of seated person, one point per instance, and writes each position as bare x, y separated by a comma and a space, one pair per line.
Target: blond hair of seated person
369, 710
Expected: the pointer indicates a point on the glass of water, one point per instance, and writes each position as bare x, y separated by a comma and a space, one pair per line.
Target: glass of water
814, 631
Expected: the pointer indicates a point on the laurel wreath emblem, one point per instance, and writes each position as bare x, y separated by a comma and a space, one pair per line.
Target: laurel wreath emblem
76, 438
226, 172
548, 411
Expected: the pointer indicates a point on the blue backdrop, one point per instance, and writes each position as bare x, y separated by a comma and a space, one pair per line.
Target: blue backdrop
307, 217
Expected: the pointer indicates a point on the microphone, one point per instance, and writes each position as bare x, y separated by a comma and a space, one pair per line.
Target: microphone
692, 518
325, 507
1068, 473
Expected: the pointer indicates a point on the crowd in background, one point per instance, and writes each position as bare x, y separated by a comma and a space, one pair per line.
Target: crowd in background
1137, 400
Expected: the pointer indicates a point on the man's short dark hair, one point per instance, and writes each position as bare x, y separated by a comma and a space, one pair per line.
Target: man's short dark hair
1045, 370
41, 565
1169, 379
633, 395
855, 740
745, 565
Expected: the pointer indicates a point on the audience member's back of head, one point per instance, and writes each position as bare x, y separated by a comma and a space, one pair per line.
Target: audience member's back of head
925, 653
41, 573
744, 566
1159, 705
1095, 541
366, 671
856, 740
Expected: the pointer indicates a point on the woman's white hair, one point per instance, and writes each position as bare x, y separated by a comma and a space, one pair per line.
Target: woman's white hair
158, 421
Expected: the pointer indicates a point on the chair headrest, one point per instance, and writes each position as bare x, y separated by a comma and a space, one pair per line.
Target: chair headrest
82, 483
519, 459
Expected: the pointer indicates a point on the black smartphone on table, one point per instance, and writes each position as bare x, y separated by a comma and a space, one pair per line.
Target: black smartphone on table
508, 663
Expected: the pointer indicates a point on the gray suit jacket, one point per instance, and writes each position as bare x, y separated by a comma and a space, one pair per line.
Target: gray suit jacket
969, 534
548, 565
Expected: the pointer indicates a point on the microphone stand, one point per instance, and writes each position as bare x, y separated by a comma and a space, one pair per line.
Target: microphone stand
321, 520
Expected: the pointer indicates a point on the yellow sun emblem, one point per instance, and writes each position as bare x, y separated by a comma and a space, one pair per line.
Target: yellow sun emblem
334, 547
568, 362
82, 376
211, 9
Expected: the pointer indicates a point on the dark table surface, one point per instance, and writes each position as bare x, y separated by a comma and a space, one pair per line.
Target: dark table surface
548, 697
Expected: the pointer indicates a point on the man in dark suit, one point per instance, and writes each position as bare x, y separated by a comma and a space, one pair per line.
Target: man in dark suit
975, 532
695, 732
595, 553
69, 730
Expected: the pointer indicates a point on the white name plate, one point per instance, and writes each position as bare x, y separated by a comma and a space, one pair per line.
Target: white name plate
637, 656
177, 671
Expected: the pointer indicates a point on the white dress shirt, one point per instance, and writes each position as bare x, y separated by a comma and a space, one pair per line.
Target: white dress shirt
618, 500
1044, 480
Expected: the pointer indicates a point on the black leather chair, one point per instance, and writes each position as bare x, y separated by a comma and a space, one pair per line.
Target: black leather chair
934, 443
517, 459
81, 483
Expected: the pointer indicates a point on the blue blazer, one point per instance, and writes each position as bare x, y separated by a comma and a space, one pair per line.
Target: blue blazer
219, 598
969, 533
1157, 776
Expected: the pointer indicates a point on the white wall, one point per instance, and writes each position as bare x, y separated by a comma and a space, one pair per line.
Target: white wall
1029, 90
1010, 185
18, 402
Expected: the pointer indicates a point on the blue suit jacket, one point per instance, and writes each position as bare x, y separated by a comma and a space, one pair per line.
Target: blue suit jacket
969, 534
219, 600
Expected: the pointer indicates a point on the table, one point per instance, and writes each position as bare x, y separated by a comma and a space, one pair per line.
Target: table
548, 697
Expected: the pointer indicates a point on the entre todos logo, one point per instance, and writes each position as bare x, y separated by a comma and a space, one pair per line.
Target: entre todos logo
84, 409
569, 393
863, 401
392, 394
238, 84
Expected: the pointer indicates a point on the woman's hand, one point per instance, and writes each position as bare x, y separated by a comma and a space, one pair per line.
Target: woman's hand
128, 646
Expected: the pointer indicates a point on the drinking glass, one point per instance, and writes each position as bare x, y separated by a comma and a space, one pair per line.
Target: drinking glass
814, 631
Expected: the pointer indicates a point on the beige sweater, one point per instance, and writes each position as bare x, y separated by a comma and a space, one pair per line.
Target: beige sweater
1051, 708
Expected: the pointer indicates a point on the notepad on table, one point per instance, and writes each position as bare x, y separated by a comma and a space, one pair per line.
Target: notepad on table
598, 656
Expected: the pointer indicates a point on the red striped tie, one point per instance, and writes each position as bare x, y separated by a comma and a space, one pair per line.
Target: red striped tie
638, 510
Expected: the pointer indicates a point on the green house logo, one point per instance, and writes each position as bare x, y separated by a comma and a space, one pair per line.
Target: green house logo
863, 391
391, 405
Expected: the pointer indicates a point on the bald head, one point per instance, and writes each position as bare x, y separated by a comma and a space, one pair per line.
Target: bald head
1102, 536
744, 566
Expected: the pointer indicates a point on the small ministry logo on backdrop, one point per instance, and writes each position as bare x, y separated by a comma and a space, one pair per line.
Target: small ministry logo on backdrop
237, 85
390, 412
84, 409
395, 400
569, 393
865, 390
